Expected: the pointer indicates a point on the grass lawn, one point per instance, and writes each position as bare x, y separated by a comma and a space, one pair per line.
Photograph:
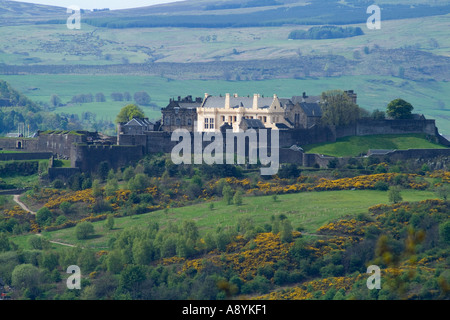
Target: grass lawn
354, 146
309, 210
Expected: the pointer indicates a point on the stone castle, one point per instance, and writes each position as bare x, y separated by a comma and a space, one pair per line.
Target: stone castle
297, 120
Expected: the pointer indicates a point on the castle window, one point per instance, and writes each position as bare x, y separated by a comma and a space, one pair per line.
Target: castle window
189, 122
265, 119
206, 123
211, 123
235, 119
167, 121
178, 122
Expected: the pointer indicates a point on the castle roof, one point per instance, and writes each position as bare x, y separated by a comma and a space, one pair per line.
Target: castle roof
253, 123
305, 98
311, 109
139, 122
236, 102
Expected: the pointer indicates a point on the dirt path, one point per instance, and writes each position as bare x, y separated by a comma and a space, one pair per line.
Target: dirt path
21, 204
24, 207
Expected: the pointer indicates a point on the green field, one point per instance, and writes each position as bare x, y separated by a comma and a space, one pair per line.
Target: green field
308, 210
356, 145
374, 92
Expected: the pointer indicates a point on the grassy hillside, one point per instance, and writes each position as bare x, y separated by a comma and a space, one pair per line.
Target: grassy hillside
354, 146
308, 210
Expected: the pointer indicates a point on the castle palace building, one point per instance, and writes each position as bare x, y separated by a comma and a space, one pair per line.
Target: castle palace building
216, 113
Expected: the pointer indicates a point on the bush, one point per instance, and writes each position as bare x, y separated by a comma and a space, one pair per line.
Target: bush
58, 184
44, 216
84, 230
381, 185
395, 195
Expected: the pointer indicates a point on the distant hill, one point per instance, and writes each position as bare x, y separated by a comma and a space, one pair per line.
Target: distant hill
13, 13
258, 13
231, 13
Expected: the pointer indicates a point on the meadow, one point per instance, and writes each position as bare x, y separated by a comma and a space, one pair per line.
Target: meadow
309, 210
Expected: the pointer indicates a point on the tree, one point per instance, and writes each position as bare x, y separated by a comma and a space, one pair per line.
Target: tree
395, 195
25, 277
399, 109
84, 230
44, 216
237, 199
443, 192
142, 97
444, 232
117, 96
110, 222
96, 189
103, 170
378, 115
65, 207
100, 97
286, 231
227, 194
55, 100
111, 187
129, 112
139, 182
338, 109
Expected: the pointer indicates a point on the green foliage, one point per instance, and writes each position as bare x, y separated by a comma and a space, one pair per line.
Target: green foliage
109, 222
227, 193
237, 198
84, 230
399, 109
44, 216
443, 191
326, 32
381, 185
395, 195
444, 232
139, 182
129, 112
338, 109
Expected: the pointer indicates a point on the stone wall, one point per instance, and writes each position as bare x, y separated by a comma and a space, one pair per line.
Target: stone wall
21, 156
88, 157
370, 127
62, 173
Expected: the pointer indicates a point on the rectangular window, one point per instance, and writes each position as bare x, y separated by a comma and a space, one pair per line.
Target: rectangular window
206, 123
211, 123
235, 119
265, 119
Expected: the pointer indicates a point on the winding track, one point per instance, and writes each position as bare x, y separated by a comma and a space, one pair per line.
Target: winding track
24, 207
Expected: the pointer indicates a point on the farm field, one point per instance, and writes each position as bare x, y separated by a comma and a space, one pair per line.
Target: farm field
357, 145
309, 210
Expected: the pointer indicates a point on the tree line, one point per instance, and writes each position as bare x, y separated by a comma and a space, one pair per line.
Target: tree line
326, 32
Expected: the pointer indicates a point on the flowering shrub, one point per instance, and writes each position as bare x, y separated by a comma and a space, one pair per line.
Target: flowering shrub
348, 227
57, 198
265, 249
306, 290
360, 182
